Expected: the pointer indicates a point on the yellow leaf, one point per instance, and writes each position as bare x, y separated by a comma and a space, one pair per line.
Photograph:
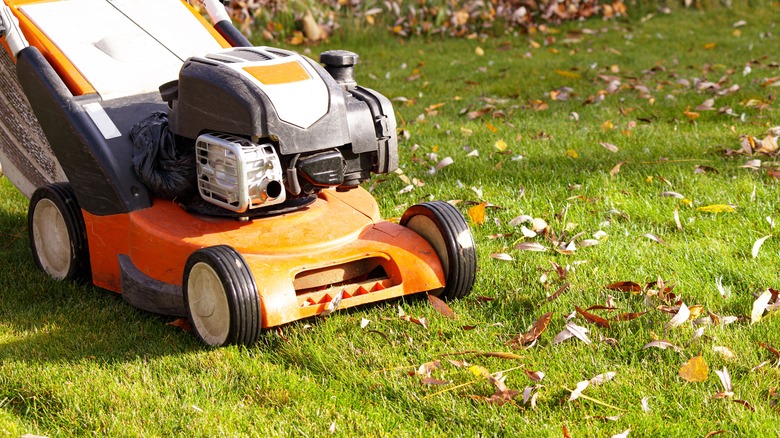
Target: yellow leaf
696, 311
687, 202
567, 74
572, 153
370, 19
695, 370
691, 115
709, 46
501, 145
297, 39
479, 371
606, 126
717, 208
435, 148
737, 33
477, 213
466, 131
490, 127
649, 179
534, 44
479, 51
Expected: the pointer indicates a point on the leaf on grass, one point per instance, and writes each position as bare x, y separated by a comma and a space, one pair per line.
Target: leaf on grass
677, 218
182, 323
646, 404
536, 376
625, 286
623, 434
428, 367
609, 146
745, 404
578, 332
695, 370
530, 394
531, 246
725, 380
681, 317
477, 213
757, 245
629, 316
717, 208
616, 169
725, 352
759, 306
662, 344
500, 145
672, 195
536, 330
578, 390
502, 256
520, 220
599, 321
364, 323
654, 238
714, 432
557, 293
479, 371
432, 381
774, 350
441, 306
602, 378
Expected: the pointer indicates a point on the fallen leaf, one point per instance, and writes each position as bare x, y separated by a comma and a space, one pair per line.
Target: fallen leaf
182, 323
616, 169
745, 404
599, 321
557, 293
578, 332
479, 51
646, 404
625, 286
536, 330
629, 316
364, 323
772, 349
663, 345
477, 213
441, 306
725, 380
724, 352
759, 306
695, 370
669, 194
502, 256
531, 246
536, 376
500, 145
681, 317
428, 367
432, 381
623, 434
757, 245
571, 153
578, 390
609, 146
602, 378
717, 208
654, 238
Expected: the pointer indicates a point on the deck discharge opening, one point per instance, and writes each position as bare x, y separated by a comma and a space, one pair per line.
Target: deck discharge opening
368, 274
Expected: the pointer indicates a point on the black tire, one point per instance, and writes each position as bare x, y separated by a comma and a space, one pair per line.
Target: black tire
58, 238
220, 295
446, 230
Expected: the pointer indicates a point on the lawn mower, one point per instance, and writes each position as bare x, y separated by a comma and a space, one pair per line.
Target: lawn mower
169, 160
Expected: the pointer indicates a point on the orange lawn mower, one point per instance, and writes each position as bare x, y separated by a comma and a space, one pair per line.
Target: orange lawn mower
169, 160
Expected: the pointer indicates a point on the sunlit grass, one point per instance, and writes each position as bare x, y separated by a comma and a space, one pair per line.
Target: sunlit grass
76, 360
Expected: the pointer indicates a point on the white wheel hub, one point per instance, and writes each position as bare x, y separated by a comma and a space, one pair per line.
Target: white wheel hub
51, 239
208, 304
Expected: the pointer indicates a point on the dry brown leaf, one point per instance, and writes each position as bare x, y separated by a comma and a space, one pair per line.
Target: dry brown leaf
654, 238
441, 306
536, 330
182, 323
625, 286
557, 293
774, 350
599, 321
629, 316
616, 169
428, 367
695, 370
536, 376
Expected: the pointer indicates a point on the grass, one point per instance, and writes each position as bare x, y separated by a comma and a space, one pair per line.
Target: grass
76, 360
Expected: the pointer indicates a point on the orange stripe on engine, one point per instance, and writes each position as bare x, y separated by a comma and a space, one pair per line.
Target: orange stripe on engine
279, 73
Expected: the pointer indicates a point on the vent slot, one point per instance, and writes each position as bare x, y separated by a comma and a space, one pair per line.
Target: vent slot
360, 277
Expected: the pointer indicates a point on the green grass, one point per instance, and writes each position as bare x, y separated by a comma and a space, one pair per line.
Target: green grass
76, 360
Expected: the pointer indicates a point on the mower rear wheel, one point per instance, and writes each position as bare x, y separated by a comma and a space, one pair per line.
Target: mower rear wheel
220, 295
58, 238
445, 229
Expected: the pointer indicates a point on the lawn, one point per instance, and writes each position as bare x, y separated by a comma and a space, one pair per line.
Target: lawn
534, 126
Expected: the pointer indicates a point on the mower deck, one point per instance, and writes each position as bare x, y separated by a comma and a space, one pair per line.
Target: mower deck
299, 260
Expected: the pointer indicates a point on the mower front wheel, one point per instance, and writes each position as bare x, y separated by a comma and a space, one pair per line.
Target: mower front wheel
220, 295
445, 229
58, 237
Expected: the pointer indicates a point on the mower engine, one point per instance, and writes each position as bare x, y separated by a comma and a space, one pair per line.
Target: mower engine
271, 126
